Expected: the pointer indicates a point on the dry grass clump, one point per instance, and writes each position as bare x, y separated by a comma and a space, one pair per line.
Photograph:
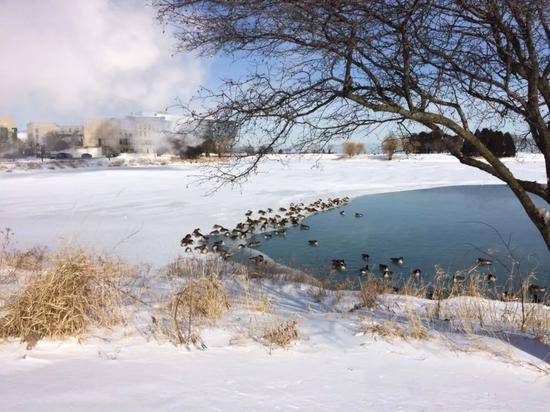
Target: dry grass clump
417, 330
385, 328
370, 291
282, 334
202, 298
77, 292
264, 305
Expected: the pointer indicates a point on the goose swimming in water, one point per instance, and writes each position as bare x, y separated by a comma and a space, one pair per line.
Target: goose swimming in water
241, 246
397, 260
304, 227
365, 256
339, 264
536, 292
254, 243
364, 270
383, 268
417, 273
490, 278
484, 261
313, 242
267, 236
388, 274
358, 215
343, 212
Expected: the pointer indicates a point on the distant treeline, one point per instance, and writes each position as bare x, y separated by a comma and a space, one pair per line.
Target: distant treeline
500, 144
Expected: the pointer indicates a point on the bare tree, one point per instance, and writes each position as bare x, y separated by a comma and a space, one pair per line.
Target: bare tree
322, 71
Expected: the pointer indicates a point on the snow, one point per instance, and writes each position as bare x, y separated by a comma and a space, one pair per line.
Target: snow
141, 213
334, 365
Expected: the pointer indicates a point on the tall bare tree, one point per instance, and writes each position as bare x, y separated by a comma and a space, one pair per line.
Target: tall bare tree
322, 70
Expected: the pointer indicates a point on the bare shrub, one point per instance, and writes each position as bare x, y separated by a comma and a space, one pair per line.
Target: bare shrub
203, 298
77, 292
282, 334
359, 148
390, 145
350, 148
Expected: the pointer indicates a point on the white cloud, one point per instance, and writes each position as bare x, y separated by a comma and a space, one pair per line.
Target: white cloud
79, 59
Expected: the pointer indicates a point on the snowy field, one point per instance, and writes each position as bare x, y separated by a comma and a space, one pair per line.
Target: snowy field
141, 213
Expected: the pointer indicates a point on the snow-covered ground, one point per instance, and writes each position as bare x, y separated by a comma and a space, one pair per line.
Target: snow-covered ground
334, 365
141, 213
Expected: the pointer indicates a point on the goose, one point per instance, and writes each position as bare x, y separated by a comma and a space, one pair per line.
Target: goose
383, 268
364, 270
536, 292
254, 243
536, 288
197, 233
267, 236
484, 261
304, 227
248, 213
257, 259
358, 215
241, 246
458, 278
417, 273
280, 232
186, 241
269, 210
388, 274
227, 255
214, 233
282, 209
202, 249
313, 242
397, 260
262, 212
218, 248
339, 264
490, 278
343, 212
365, 256
188, 249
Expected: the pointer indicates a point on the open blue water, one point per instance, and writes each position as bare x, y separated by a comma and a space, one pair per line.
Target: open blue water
445, 227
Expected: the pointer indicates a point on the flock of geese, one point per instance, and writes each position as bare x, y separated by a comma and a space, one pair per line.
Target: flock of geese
270, 222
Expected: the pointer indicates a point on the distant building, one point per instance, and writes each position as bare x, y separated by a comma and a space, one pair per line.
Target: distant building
8, 135
37, 131
144, 134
